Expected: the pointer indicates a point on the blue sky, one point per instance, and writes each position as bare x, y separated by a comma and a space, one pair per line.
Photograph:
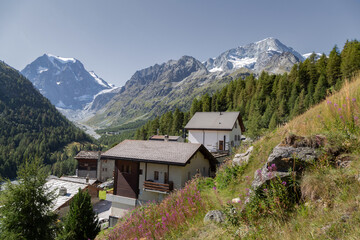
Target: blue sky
115, 37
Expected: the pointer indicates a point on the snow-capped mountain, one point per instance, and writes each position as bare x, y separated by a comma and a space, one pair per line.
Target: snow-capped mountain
307, 55
256, 56
64, 81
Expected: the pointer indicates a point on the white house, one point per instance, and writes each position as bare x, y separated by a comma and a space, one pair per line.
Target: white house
149, 170
217, 131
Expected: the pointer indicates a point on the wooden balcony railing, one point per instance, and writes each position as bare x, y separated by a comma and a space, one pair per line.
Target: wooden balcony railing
162, 187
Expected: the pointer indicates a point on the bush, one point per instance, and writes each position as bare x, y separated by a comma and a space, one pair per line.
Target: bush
227, 173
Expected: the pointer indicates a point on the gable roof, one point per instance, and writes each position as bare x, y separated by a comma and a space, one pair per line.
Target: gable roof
173, 153
87, 155
214, 121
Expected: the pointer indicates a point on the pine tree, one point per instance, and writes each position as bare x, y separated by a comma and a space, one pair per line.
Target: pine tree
273, 121
333, 67
81, 222
26, 207
350, 59
320, 89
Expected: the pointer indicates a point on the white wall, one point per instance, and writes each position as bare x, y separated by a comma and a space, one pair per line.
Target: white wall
210, 138
106, 169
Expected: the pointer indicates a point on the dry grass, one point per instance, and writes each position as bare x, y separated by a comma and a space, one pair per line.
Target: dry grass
331, 196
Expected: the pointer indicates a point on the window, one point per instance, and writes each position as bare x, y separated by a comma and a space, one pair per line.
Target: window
235, 137
235, 124
166, 177
156, 175
204, 171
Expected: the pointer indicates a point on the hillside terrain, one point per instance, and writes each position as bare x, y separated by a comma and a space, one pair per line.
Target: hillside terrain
30, 126
326, 202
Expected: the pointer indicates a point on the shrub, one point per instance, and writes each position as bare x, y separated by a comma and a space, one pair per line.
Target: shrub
227, 173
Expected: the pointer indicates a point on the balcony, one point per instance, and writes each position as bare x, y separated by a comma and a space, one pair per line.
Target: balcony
158, 187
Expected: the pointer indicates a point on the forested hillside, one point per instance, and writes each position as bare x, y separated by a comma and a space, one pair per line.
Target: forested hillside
270, 99
29, 125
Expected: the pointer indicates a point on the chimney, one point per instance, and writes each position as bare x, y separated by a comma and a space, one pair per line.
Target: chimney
87, 179
62, 191
166, 138
220, 113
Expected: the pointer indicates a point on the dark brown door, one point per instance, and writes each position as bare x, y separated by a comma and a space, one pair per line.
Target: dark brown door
126, 178
221, 145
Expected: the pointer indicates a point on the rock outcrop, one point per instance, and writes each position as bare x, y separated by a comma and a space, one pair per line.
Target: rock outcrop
291, 155
215, 216
242, 158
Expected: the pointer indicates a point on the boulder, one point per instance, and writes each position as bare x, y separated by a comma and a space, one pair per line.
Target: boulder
215, 216
242, 158
292, 154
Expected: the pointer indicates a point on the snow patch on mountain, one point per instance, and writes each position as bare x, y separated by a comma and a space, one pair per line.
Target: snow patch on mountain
60, 59
307, 55
99, 80
42, 69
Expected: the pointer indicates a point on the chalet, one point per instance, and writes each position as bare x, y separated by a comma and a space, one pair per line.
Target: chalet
66, 188
166, 138
217, 131
91, 165
149, 170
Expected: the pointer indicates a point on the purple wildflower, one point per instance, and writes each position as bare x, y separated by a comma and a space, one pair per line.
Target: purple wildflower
273, 167
339, 109
341, 117
283, 183
266, 190
335, 105
214, 188
356, 118
354, 99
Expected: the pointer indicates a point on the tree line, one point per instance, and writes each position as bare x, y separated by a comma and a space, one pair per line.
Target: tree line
270, 99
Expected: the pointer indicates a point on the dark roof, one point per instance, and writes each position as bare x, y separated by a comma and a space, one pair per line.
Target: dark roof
162, 137
88, 155
214, 121
173, 153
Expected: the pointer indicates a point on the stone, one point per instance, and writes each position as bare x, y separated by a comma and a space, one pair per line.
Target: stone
293, 153
242, 158
215, 216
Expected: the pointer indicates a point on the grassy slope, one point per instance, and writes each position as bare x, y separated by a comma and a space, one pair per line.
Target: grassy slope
338, 189
330, 192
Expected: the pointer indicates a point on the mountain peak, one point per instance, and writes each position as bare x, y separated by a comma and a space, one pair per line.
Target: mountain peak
64, 81
254, 56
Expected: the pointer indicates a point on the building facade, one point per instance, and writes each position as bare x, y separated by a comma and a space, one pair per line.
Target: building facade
217, 131
150, 170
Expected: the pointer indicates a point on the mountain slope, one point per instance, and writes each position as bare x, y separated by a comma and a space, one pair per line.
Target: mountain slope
29, 125
64, 81
156, 89
159, 88
255, 56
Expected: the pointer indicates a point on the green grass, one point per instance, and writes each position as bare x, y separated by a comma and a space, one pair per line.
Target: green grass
329, 207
